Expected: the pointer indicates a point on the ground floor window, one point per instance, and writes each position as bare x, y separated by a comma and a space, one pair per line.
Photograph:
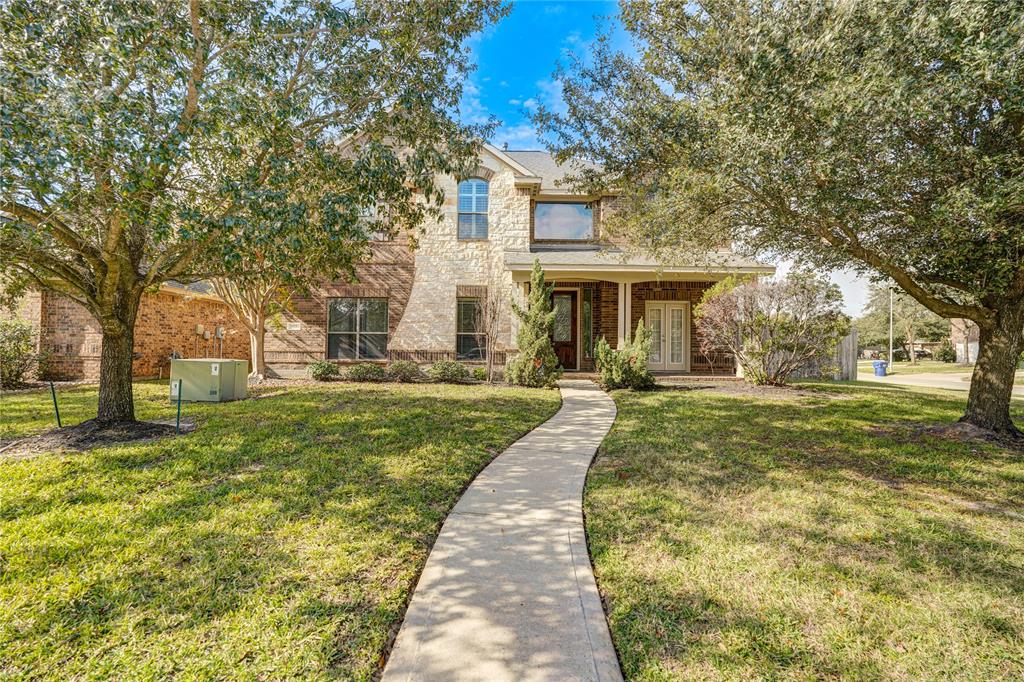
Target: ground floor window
357, 329
470, 341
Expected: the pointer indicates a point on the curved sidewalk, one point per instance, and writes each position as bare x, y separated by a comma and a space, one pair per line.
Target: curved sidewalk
508, 592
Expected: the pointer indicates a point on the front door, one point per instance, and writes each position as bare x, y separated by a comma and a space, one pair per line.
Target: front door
563, 335
669, 323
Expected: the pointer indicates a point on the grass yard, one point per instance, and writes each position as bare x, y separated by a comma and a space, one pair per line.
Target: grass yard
280, 540
807, 536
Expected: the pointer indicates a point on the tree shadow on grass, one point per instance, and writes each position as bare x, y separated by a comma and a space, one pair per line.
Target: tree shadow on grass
818, 495
326, 513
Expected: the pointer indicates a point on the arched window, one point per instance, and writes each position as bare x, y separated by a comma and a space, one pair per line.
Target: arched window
473, 209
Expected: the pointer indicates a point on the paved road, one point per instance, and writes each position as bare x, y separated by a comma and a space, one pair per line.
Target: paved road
508, 592
956, 381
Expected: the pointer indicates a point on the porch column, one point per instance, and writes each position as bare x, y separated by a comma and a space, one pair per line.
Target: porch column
629, 311
621, 310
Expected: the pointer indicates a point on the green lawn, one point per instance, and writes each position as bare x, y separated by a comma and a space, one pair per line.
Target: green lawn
922, 367
279, 541
743, 537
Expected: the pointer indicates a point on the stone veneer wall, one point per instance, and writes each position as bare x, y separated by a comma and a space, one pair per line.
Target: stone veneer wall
445, 263
71, 337
680, 291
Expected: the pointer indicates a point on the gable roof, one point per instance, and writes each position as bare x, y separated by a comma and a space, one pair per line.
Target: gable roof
544, 166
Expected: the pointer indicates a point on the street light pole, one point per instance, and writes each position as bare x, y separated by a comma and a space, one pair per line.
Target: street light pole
890, 329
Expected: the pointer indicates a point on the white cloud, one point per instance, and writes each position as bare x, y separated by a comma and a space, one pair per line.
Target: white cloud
473, 110
515, 102
503, 84
531, 104
521, 136
554, 9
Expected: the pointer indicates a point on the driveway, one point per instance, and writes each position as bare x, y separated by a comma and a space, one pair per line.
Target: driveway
954, 381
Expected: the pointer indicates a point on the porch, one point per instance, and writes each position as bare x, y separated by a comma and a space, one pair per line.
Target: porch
588, 310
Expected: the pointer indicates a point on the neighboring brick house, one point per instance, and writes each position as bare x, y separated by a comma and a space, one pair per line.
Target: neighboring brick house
424, 304
964, 335
69, 337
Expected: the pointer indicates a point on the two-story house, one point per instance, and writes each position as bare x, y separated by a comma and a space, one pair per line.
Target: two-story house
427, 304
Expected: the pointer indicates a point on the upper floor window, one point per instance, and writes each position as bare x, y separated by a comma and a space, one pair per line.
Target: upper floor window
473, 209
563, 221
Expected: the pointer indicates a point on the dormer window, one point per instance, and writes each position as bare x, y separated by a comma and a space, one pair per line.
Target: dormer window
563, 221
473, 209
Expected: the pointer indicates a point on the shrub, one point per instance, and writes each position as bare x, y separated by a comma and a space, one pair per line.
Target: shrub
17, 352
627, 367
448, 372
773, 328
404, 372
945, 352
323, 370
368, 372
480, 374
535, 364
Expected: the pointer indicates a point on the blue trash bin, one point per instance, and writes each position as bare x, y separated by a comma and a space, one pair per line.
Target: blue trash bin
880, 367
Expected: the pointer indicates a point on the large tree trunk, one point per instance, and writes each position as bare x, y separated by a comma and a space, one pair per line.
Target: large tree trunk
999, 348
912, 354
116, 403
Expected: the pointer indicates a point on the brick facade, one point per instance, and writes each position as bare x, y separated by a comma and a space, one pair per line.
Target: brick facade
300, 335
69, 337
691, 292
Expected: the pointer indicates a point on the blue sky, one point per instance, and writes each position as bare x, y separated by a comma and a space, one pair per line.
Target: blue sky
516, 60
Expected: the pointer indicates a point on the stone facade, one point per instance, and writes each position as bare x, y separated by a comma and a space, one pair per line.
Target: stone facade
444, 263
69, 337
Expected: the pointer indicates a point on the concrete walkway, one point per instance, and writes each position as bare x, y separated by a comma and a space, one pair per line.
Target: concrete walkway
508, 592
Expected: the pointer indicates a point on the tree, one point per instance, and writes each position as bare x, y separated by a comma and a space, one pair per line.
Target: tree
884, 136
493, 315
153, 141
773, 327
911, 320
283, 263
535, 364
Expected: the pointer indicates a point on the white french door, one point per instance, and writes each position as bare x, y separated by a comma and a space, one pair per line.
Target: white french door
669, 323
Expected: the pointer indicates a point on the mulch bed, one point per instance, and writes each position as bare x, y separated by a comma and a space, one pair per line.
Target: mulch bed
88, 435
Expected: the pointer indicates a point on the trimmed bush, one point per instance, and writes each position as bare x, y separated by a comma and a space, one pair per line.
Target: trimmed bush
17, 352
404, 372
480, 374
535, 364
945, 352
366, 372
323, 370
448, 372
627, 367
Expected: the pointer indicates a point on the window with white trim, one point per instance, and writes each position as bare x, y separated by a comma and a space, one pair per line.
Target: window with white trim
473, 209
357, 329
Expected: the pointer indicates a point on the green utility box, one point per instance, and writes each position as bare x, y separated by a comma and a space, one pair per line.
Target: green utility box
209, 379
